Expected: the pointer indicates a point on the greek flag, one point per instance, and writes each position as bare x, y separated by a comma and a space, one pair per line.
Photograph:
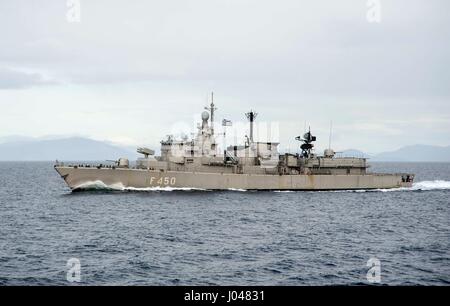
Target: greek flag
226, 122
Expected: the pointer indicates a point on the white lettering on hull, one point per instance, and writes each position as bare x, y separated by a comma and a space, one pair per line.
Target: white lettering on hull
162, 181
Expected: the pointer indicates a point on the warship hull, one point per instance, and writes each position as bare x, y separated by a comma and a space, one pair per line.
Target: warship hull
80, 178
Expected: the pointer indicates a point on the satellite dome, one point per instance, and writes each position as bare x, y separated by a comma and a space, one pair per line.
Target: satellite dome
205, 116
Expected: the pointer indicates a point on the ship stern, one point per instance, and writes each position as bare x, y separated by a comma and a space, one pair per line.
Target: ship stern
407, 180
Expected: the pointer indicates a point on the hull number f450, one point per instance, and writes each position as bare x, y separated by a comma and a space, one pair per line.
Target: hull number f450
161, 181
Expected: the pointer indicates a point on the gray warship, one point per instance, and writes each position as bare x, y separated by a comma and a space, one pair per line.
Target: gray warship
197, 164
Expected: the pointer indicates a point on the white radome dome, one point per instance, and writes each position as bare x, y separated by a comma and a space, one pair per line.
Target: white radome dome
205, 116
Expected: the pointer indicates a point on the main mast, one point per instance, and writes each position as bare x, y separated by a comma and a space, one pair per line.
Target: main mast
211, 109
251, 117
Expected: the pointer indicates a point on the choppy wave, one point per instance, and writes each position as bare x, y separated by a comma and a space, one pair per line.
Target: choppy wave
297, 229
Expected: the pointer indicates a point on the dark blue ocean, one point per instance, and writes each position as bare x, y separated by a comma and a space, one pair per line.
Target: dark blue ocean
223, 238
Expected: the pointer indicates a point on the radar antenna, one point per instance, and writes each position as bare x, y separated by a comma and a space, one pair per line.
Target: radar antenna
307, 145
251, 115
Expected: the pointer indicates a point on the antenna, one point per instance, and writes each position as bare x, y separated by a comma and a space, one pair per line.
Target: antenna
331, 133
212, 109
251, 115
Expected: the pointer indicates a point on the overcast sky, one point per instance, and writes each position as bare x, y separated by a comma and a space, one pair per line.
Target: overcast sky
131, 72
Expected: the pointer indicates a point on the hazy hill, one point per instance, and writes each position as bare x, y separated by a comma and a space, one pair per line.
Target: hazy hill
353, 153
74, 148
416, 153
15, 138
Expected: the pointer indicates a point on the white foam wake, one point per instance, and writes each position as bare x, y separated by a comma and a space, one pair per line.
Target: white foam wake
99, 185
431, 185
423, 186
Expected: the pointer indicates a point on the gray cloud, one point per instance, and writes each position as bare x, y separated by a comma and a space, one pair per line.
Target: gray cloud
316, 46
13, 79
293, 60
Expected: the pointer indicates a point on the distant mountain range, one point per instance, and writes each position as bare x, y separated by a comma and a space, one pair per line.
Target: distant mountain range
19, 148
414, 153
69, 149
353, 153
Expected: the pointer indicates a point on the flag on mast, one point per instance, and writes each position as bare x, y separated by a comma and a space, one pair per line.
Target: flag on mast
226, 122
